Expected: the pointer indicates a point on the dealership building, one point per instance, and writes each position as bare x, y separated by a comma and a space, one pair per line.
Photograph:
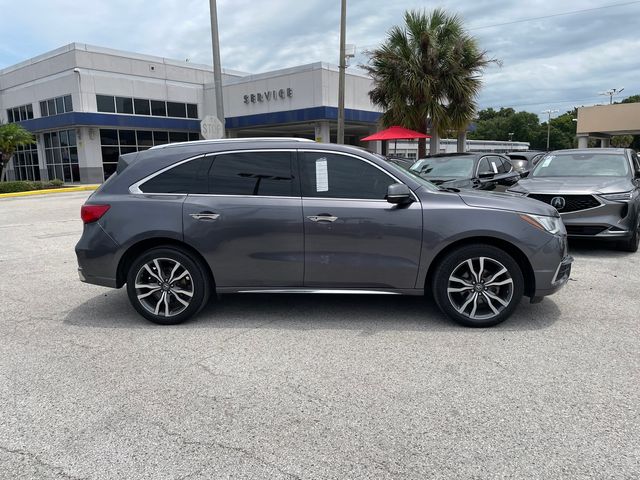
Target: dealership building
87, 105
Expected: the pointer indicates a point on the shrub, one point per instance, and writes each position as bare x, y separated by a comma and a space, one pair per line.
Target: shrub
26, 186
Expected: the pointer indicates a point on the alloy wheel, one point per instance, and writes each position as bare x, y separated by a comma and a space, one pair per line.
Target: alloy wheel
164, 287
480, 288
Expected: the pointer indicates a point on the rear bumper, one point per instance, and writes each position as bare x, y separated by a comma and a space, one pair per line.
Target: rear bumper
96, 253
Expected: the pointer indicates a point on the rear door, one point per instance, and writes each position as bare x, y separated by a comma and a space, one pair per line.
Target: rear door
248, 224
354, 238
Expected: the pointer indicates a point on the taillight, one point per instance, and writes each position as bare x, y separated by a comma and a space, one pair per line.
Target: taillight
91, 213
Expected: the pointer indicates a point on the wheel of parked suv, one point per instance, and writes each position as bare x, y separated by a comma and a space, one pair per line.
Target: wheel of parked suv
167, 286
478, 285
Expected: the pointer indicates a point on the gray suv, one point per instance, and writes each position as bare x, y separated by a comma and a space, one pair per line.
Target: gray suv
179, 222
596, 191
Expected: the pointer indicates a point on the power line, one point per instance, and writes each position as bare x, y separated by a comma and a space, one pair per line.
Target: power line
531, 19
573, 12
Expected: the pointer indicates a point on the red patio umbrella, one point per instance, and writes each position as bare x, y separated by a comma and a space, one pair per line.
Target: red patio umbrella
395, 133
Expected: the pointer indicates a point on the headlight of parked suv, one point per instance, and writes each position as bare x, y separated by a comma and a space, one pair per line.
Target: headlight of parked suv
618, 197
517, 192
552, 225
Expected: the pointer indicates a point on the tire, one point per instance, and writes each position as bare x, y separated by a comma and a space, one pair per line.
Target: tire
474, 302
631, 244
181, 298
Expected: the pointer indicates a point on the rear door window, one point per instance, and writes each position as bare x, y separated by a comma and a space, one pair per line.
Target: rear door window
253, 173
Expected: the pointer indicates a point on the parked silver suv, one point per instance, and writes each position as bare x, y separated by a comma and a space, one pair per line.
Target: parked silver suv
179, 222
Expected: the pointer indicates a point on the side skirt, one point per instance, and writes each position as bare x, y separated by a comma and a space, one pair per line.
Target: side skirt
330, 291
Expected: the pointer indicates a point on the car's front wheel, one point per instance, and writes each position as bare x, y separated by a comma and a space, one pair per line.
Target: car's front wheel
167, 286
478, 285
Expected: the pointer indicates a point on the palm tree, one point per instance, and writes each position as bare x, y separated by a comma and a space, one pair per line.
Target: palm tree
12, 136
426, 75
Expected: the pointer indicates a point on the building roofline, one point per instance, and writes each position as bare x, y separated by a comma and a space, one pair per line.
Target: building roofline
85, 47
292, 70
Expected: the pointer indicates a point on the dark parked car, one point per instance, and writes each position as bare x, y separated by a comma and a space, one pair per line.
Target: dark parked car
482, 171
596, 191
524, 161
179, 222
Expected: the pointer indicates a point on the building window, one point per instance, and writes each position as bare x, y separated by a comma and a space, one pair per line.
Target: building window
25, 163
56, 106
114, 143
20, 114
145, 106
61, 153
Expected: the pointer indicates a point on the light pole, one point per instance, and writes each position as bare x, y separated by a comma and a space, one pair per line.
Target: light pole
217, 70
611, 92
549, 112
341, 74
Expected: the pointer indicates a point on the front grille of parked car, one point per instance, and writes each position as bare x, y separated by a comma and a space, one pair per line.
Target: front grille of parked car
573, 203
585, 229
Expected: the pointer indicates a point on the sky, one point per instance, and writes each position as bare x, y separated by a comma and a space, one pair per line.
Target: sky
557, 62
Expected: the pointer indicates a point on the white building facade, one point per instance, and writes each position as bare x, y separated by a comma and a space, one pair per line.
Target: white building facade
87, 105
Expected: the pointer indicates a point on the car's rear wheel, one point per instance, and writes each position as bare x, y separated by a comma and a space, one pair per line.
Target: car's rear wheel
167, 286
478, 285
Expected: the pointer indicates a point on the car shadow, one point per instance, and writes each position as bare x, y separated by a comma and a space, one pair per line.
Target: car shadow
368, 314
596, 248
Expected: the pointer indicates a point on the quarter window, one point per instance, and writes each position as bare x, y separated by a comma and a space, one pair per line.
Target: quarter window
339, 176
190, 177
252, 173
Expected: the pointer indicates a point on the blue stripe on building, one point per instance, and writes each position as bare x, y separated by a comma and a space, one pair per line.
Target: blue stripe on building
111, 120
105, 120
301, 115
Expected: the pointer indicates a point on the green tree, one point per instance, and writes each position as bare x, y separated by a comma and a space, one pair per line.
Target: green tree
427, 74
12, 136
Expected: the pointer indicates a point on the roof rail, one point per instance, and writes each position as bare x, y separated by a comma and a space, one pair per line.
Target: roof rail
234, 140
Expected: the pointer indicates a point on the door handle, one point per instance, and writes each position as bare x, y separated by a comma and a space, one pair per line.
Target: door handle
322, 218
205, 216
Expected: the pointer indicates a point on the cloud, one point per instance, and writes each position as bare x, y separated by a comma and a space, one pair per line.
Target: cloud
558, 61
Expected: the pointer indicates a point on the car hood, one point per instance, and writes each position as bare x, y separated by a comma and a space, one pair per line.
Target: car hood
573, 185
506, 201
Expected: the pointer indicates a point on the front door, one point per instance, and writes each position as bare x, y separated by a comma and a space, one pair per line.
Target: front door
249, 223
354, 238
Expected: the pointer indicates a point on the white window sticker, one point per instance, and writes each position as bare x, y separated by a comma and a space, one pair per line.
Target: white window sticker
494, 167
547, 161
322, 175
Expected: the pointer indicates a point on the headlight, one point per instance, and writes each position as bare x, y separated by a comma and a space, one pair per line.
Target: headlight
552, 225
619, 197
517, 192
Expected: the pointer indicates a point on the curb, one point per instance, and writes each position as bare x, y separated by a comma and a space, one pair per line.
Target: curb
45, 191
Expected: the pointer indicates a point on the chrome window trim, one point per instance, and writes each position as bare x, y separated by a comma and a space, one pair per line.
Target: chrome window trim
134, 188
396, 179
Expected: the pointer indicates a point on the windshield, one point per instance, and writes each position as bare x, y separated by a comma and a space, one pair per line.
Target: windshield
445, 167
394, 168
582, 165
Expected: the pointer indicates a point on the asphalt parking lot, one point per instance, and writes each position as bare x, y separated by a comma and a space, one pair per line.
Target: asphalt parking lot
270, 387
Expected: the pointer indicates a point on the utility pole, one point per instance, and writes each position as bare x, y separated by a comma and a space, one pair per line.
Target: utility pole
217, 70
549, 112
611, 92
341, 75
